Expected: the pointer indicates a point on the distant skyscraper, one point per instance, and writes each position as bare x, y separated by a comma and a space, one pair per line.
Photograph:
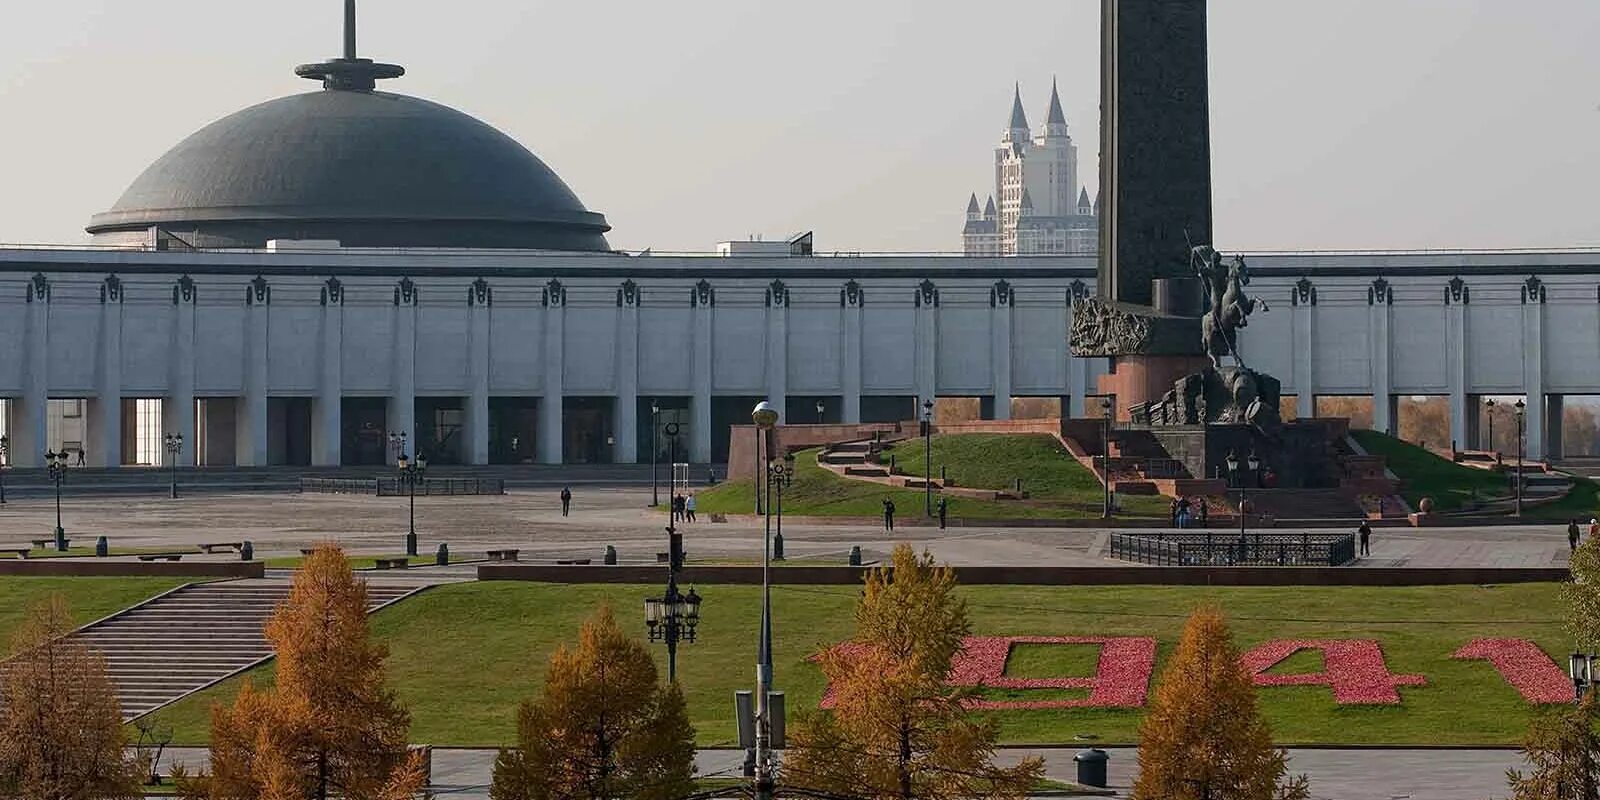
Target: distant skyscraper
1042, 208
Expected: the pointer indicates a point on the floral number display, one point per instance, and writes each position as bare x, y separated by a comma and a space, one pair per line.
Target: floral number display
1121, 679
1524, 665
1353, 667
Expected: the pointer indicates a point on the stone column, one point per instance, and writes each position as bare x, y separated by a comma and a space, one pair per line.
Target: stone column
777, 366
702, 301
252, 425
177, 407
927, 343
552, 434
32, 418
1533, 295
1456, 297
327, 411
1380, 300
627, 412
480, 304
1001, 300
105, 416
851, 300
1304, 302
401, 415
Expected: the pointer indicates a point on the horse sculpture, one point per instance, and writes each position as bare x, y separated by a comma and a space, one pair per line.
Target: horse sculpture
1230, 308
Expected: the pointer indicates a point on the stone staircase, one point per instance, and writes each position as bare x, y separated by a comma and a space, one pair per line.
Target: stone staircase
187, 639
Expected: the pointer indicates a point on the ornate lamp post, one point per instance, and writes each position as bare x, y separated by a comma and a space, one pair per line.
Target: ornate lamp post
672, 617
1580, 666
1521, 409
173, 442
397, 445
765, 417
782, 477
410, 473
1254, 464
56, 465
655, 430
5, 463
1105, 455
927, 458
1488, 405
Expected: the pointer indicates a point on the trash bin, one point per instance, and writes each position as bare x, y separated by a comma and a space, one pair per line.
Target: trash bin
855, 556
611, 556
442, 558
247, 552
102, 548
1092, 767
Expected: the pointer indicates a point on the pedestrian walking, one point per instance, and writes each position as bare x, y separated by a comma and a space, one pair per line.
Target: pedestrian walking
677, 508
1200, 507
1366, 538
1183, 512
81, 457
944, 510
888, 514
1594, 527
688, 508
566, 500
1172, 512
1572, 534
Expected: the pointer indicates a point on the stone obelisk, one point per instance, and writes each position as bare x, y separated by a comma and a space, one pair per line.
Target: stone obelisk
1155, 190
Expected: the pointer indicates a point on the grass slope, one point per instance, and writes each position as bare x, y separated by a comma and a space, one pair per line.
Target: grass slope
1059, 486
463, 656
89, 598
1427, 475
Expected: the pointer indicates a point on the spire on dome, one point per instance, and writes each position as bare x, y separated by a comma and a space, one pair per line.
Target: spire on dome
349, 73
1057, 117
1019, 120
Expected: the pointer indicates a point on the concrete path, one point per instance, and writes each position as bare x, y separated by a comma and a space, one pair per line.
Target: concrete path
1335, 774
531, 520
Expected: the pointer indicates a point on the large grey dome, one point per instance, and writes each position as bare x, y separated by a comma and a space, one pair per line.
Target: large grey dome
370, 169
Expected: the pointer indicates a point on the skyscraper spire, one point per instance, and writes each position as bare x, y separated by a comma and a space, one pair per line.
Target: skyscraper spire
1019, 120
1056, 116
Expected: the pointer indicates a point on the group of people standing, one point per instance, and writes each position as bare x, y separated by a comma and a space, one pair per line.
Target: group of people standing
941, 510
683, 508
1572, 531
1187, 513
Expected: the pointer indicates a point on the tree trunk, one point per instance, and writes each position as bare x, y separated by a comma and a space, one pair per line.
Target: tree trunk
905, 762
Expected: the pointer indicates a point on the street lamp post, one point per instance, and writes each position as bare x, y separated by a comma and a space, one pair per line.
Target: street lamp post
1254, 464
56, 465
1581, 668
782, 476
672, 617
765, 418
1105, 455
927, 458
1488, 405
397, 445
174, 445
655, 431
5, 462
410, 473
1521, 408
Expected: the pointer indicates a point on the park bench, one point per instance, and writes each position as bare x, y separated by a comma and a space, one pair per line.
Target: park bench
43, 543
20, 550
573, 562
212, 547
503, 555
392, 563
162, 557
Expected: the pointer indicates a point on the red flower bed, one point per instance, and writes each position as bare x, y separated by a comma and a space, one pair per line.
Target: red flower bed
1121, 680
1353, 667
1525, 666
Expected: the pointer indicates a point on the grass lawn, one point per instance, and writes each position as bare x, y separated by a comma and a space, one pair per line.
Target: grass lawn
88, 552
463, 656
1060, 487
1427, 475
89, 598
1582, 503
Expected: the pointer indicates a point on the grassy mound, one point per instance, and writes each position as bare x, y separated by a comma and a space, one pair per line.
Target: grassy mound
89, 598
464, 655
1059, 487
1427, 475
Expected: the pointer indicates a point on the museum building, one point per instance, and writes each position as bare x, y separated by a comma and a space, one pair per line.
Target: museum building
294, 282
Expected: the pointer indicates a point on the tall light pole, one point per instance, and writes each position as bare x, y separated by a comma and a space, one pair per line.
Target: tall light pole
1254, 465
1521, 409
410, 473
1488, 404
1105, 455
5, 463
173, 442
673, 617
56, 465
927, 458
655, 430
765, 418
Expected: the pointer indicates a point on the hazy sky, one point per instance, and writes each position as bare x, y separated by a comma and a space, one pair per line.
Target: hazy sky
1336, 123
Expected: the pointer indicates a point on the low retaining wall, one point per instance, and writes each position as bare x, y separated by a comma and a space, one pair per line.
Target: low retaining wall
107, 568
1039, 576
